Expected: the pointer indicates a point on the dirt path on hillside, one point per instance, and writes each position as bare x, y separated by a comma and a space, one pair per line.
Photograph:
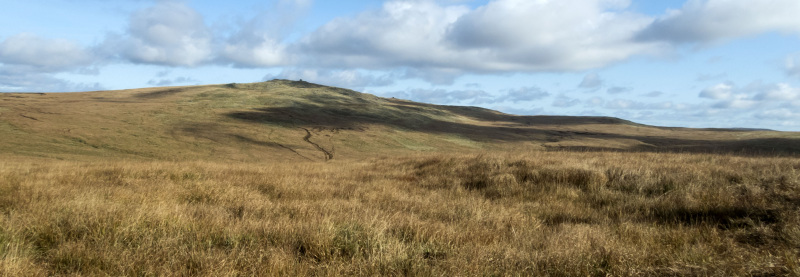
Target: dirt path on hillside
307, 138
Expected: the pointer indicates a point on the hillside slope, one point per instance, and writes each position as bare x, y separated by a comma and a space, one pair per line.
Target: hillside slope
295, 120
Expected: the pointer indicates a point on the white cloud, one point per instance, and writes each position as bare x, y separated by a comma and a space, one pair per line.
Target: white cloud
664, 105
779, 114
562, 101
718, 92
618, 90
709, 77
256, 51
620, 104
174, 81
793, 65
477, 96
259, 42
550, 35
729, 96
28, 62
46, 55
436, 76
706, 21
735, 104
624, 104
591, 81
438, 42
524, 94
754, 95
401, 33
169, 33
502, 36
627, 104
654, 93
779, 92
301, 4
443, 96
28, 79
442, 41
594, 102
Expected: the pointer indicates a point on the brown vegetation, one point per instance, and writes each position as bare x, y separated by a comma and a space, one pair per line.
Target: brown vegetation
539, 213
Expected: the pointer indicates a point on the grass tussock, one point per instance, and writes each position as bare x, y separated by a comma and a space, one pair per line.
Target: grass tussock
543, 213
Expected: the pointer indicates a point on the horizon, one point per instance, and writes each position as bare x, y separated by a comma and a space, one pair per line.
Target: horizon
695, 63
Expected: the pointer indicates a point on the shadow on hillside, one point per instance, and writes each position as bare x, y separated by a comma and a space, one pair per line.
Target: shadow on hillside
325, 111
762, 147
482, 114
356, 117
160, 93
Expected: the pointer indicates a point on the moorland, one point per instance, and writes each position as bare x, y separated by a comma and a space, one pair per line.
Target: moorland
294, 178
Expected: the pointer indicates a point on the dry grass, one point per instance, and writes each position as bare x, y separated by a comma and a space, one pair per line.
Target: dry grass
541, 213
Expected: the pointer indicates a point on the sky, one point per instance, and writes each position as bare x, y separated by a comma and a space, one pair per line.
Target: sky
683, 63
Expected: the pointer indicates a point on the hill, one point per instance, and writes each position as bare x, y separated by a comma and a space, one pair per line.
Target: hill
226, 180
296, 120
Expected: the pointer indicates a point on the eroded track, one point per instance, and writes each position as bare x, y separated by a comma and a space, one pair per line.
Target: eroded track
307, 138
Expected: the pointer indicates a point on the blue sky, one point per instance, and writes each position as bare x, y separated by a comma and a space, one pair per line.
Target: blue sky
693, 63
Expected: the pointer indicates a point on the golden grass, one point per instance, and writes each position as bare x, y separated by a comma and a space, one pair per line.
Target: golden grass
540, 213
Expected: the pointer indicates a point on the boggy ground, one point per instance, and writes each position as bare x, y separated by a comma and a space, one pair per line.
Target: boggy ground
537, 213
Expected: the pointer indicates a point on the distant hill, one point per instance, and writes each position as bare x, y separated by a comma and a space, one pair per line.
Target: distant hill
295, 120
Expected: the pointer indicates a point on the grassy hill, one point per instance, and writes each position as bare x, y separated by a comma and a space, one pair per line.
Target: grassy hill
227, 180
283, 120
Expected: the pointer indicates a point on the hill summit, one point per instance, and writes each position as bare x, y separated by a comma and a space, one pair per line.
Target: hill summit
297, 120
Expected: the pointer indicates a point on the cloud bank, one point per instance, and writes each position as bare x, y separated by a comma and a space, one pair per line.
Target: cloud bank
431, 40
